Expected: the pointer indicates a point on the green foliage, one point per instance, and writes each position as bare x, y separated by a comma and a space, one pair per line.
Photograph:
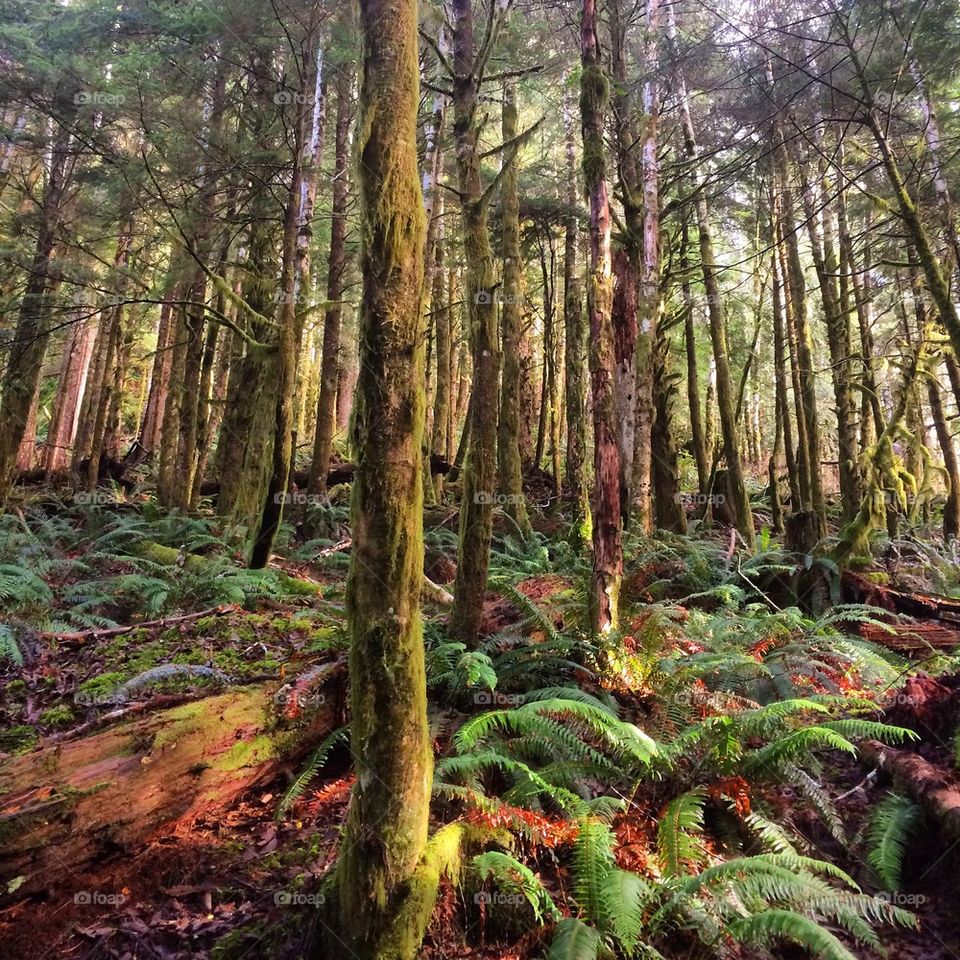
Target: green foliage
679, 832
310, 769
894, 822
510, 873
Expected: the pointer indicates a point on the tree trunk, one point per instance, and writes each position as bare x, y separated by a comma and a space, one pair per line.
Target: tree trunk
698, 438
508, 442
632, 354
29, 343
607, 542
73, 373
647, 467
329, 362
291, 276
381, 913
740, 504
480, 468
575, 342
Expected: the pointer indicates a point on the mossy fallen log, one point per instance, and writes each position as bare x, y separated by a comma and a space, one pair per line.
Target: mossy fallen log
85, 802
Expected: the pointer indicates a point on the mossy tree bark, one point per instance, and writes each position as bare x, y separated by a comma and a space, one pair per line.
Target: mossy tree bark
386, 831
480, 467
802, 340
736, 490
508, 436
575, 341
607, 535
632, 355
784, 430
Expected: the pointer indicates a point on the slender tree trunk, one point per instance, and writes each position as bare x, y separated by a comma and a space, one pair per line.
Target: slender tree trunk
29, 343
646, 466
698, 438
821, 235
740, 504
626, 280
73, 372
480, 469
607, 542
329, 363
575, 341
291, 275
382, 909
508, 438
784, 431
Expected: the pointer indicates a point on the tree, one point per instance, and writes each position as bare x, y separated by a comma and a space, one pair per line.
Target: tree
380, 915
607, 537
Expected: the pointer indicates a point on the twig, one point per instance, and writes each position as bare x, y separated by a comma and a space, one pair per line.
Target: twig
96, 633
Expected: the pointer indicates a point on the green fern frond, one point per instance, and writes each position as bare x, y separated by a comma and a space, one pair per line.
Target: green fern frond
574, 940
511, 873
678, 840
310, 769
894, 822
769, 926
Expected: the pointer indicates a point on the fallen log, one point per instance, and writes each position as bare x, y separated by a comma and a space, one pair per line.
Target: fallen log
932, 787
860, 589
69, 807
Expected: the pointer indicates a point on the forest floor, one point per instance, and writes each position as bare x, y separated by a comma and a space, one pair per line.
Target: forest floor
156, 811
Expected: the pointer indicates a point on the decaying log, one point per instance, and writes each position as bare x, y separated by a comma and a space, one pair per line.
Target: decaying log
68, 807
860, 589
932, 787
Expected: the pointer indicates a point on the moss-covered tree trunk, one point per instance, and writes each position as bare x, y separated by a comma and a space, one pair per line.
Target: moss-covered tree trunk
607, 537
480, 467
634, 355
575, 340
380, 917
802, 340
736, 490
330, 359
508, 437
